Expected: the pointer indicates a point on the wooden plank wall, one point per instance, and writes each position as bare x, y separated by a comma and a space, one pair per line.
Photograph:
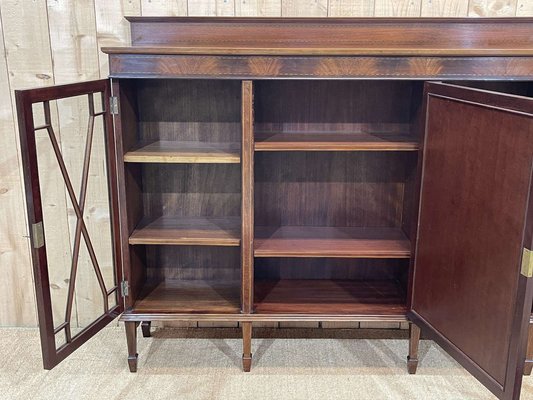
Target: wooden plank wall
47, 42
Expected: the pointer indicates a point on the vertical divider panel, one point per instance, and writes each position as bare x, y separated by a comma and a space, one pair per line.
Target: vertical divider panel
247, 205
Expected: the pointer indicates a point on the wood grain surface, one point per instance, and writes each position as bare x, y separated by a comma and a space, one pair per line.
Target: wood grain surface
334, 142
185, 152
313, 241
464, 188
313, 188
329, 297
188, 231
196, 297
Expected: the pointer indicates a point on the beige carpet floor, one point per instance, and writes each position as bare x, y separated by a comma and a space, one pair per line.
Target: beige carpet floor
174, 367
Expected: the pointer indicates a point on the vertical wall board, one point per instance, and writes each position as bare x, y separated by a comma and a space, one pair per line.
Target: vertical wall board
444, 8
304, 8
218, 8
524, 8
164, 7
17, 299
258, 8
492, 8
351, 8
72, 30
397, 8
111, 27
21, 45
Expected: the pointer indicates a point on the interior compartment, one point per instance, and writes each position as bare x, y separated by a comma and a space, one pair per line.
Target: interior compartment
331, 285
180, 121
334, 191
336, 115
311, 201
191, 279
181, 150
335, 166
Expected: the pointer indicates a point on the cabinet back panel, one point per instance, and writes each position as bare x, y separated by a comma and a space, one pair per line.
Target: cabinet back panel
333, 106
134, 195
330, 188
128, 117
189, 110
329, 268
193, 263
137, 272
205, 190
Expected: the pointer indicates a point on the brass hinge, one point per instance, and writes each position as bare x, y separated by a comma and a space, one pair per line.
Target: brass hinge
37, 235
113, 103
527, 263
124, 288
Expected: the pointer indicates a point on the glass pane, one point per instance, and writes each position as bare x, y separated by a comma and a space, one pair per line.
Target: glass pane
98, 103
67, 248
55, 219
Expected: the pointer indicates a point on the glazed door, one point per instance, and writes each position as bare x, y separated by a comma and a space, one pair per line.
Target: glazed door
472, 286
68, 157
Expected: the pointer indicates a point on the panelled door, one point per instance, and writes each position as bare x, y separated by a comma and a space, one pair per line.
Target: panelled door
472, 286
68, 156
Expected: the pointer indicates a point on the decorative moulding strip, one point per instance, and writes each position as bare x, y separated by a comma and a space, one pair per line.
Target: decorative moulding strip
262, 317
249, 67
329, 32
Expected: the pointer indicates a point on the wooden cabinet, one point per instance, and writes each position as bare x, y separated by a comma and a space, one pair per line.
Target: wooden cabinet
308, 170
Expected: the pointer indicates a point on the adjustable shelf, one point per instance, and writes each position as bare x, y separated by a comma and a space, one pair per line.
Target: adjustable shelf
199, 231
185, 152
318, 241
320, 296
192, 296
334, 142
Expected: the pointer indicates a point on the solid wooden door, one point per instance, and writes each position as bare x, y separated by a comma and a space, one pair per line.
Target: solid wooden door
472, 286
71, 164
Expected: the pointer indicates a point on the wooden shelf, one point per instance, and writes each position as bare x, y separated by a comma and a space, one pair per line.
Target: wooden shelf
185, 152
334, 142
313, 241
318, 296
196, 297
200, 231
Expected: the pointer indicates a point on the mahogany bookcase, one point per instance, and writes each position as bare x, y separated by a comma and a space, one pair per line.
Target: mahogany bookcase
311, 170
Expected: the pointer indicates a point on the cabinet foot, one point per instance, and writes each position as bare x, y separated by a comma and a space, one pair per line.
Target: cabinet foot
246, 363
145, 327
412, 365
246, 346
414, 340
132, 362
131, 338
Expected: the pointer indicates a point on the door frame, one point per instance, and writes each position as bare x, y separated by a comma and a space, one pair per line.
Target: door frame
524, 294
53, 355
